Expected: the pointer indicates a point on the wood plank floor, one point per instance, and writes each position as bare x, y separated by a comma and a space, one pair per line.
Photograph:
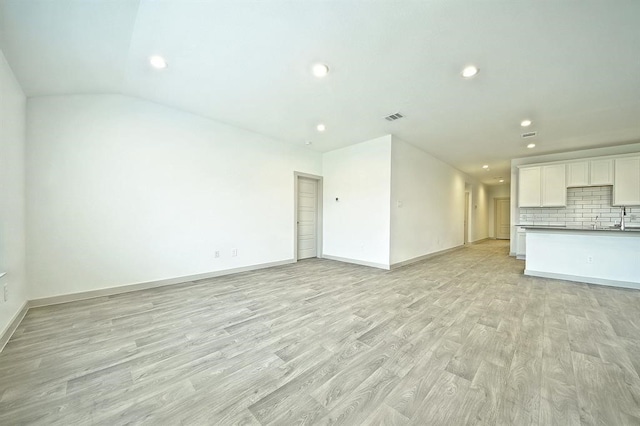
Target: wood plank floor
463, 338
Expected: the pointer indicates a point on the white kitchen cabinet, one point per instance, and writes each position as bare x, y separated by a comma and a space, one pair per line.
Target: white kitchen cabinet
578, 174
521, 244
590, 173
529, 188
554, 187
542, 186
626, 184
601, 172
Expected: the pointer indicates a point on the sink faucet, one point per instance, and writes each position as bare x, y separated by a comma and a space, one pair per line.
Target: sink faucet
595, 223
623, 213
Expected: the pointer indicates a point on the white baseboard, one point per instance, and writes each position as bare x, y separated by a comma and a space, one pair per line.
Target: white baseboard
13, 325
64, 298
356, 261
424, 257
589, 280
479, 241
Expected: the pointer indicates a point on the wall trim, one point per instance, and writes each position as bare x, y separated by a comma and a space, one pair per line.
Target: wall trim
481, 240
425, 257
13, 325
72, 297
588, 280
357, 262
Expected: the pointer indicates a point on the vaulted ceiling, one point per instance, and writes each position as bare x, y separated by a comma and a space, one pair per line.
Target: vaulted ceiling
572, 67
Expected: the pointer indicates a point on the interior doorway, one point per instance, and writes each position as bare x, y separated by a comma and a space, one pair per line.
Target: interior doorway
502, 214
307, 216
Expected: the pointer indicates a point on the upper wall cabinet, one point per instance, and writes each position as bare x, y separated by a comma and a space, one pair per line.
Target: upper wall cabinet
554, 186
626, 185
590, 173
578, 173
601, 172
542, 186
529, 187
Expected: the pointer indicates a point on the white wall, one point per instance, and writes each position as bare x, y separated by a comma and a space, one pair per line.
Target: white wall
369, 226
430, 216
122, 191
479, 212
12, 198
357, 226
496, 191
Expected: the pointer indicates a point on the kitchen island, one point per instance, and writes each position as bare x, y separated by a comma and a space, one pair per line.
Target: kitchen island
602, 256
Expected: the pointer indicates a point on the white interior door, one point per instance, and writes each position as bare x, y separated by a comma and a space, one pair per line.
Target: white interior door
503, 218
307, 218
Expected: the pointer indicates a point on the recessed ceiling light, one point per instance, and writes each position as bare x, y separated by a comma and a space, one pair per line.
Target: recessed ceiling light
486, 166
320, 70
469, 71
525, 123
158, 62
501, 180
321, 127
531, 145
308, 143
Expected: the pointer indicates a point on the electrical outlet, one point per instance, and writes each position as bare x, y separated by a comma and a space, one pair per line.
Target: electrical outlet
6, 292
234, 252
217, 253
589, 259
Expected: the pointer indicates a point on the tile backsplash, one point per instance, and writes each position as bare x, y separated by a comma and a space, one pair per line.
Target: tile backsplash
583, 206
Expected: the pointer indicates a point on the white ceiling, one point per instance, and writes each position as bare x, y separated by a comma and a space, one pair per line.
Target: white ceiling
573, 67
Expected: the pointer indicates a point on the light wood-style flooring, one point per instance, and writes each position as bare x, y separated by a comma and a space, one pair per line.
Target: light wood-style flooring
462, 338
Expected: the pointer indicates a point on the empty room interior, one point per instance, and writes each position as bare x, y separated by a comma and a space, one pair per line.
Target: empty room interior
319, 212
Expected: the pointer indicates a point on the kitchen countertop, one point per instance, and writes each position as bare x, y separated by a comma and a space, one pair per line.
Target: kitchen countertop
530, 225
578, 228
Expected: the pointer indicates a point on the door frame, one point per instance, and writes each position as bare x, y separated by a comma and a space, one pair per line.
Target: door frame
467, 214
318, 179
495, 217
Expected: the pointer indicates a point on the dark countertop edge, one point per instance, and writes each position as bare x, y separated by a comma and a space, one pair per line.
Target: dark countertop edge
568, 228
540, 226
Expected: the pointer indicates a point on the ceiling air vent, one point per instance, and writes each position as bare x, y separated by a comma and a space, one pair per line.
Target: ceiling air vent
529, 135
394, 117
